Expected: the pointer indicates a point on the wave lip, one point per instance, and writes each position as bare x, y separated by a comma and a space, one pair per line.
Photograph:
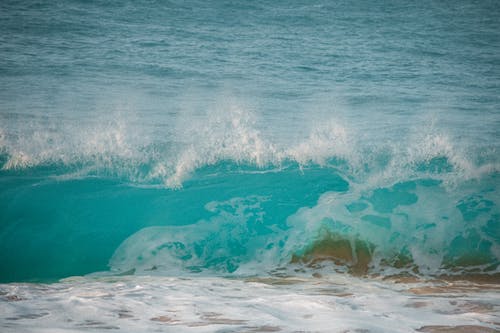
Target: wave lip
231, 135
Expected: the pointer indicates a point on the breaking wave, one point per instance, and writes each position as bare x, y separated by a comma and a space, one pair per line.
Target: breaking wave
219, 196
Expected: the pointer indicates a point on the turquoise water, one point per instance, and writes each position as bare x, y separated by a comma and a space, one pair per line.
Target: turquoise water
249, 138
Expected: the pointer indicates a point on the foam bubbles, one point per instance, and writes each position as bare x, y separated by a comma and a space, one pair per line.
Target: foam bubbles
224, 134
326, 141
235, 233
207, 304
416, 227
104, 146
229, 132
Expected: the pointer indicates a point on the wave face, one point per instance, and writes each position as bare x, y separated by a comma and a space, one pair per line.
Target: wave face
235, 203
249, 139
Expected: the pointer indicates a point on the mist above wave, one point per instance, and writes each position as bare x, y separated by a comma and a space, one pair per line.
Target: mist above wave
120, 148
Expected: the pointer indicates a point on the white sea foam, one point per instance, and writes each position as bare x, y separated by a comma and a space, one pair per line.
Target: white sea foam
335, 304
325, 141
417, 220
420, 220
107, 144
229, 132
205, 245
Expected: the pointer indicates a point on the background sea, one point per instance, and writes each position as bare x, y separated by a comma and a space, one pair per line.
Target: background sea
250, 166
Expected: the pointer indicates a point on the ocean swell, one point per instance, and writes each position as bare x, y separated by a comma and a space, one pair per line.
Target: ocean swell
225, 198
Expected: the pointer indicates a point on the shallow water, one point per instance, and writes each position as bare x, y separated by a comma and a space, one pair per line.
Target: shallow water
338, 303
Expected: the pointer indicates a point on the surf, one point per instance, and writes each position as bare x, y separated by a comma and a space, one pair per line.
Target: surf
227, 200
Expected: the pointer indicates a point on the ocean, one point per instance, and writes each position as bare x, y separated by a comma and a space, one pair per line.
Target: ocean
250, 166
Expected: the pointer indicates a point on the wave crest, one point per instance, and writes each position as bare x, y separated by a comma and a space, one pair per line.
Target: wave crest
231, 134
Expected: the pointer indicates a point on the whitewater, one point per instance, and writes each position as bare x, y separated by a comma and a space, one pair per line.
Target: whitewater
249, 167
